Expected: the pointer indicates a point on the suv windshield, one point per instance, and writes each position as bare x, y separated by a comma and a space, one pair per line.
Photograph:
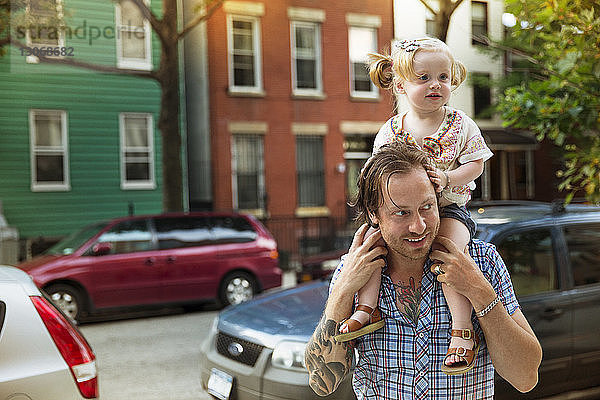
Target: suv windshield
72, 242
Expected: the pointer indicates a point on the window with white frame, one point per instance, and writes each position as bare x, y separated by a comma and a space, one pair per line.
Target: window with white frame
49, 150
361, 41
479, 22
430, 25
310, 166
243, 34
137, 151
134, 39
306, 58
248, 172
45, 29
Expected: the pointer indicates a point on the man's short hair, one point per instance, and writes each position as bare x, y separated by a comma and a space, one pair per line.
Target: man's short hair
396, 157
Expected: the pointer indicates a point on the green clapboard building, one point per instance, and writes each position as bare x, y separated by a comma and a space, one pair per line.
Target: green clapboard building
78, 146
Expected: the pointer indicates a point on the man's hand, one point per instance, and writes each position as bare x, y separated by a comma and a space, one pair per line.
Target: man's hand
328, 361
364, 258
461, 273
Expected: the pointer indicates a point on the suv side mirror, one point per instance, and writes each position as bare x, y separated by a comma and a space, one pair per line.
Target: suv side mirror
102, 248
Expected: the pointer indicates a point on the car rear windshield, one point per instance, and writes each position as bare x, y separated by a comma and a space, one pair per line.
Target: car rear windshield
74, 241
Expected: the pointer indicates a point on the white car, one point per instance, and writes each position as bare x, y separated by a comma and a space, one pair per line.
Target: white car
42, 354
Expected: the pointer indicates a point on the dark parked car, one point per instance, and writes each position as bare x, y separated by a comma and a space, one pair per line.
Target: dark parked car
256, 349
158, 259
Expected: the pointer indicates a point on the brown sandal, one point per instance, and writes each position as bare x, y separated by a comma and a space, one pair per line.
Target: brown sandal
467, 356
357, 329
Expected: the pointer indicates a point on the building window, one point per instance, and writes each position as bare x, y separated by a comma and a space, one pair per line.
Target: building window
479, 22
430, 18
137, 151
482, 95
134, 46
244, 54
362, 41
49, 150
311, 171
306, 58
248, 172
44, 28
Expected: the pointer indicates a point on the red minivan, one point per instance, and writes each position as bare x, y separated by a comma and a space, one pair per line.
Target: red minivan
158, 259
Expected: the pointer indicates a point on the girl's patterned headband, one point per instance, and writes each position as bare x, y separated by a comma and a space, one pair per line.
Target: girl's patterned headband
408, 45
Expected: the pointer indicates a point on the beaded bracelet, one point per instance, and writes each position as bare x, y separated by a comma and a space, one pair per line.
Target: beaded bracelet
489, 307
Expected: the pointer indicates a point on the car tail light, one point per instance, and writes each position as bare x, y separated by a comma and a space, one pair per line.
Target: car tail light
72, 346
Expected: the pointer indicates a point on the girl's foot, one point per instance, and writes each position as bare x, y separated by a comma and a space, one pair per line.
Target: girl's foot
357, 325
362, 317
465, 341
460, 360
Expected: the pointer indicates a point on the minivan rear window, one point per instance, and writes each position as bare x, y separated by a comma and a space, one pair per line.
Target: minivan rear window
175, 232
232, 230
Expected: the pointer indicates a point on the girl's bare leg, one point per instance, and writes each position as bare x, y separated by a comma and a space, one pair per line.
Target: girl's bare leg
368, 294
460, 307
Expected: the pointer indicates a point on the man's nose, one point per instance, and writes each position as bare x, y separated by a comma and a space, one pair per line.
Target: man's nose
417, 224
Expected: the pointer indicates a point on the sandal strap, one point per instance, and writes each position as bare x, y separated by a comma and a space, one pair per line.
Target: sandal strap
466, 354
466, 334
365, 308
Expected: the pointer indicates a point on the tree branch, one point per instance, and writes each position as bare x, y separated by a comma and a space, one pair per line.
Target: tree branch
455, 5
147, 13
89, 66
202, 17
427, 6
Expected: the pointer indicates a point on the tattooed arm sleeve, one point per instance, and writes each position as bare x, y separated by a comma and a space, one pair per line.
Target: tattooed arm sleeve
327, 361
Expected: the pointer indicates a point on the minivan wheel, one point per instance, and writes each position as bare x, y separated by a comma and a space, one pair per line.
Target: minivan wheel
237, 287
67, 298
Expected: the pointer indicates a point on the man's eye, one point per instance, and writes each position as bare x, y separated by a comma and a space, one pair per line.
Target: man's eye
400, 213
427, 206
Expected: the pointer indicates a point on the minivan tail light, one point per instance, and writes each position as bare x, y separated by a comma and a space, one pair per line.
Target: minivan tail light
274, 254
74, 349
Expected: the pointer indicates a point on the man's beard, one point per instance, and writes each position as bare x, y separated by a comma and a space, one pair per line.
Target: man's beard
403, 249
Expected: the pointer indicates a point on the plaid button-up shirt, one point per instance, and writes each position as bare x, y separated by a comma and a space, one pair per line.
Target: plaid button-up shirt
402, 361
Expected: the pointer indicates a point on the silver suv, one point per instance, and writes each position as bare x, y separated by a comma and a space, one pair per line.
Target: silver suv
43, 356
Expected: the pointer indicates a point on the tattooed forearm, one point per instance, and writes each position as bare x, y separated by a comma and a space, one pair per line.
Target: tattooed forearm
327, 361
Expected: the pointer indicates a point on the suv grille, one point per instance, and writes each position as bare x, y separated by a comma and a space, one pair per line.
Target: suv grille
238, 349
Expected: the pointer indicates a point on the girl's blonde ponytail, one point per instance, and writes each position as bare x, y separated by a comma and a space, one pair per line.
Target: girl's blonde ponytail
380, 70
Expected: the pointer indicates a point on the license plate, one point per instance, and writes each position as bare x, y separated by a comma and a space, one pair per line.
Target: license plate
220, 384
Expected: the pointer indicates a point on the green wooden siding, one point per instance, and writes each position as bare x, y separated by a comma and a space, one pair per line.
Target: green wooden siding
93, 102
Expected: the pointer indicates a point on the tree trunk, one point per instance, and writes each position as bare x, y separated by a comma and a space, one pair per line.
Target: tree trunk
168, 125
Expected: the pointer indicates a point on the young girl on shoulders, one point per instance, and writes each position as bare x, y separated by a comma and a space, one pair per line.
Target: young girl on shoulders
425, 71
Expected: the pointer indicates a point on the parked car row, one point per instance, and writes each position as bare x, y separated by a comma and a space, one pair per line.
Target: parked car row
256, 349
158, 259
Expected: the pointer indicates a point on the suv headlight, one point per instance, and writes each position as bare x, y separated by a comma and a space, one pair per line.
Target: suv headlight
289, 355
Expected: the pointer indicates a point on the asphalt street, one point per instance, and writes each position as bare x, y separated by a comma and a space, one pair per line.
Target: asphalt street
152, 355
151, 358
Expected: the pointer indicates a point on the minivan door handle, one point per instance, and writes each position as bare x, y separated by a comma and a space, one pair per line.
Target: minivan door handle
171, 259
150, 261
552, 313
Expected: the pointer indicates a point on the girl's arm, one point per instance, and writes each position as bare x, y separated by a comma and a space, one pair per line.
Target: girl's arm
462, 175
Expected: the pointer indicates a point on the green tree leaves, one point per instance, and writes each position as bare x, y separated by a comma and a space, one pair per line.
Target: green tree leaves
556, 46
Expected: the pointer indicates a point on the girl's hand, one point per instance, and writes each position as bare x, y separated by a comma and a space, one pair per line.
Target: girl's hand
437, 177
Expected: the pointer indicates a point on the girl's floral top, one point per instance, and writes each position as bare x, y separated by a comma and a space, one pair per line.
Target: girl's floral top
457, 141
